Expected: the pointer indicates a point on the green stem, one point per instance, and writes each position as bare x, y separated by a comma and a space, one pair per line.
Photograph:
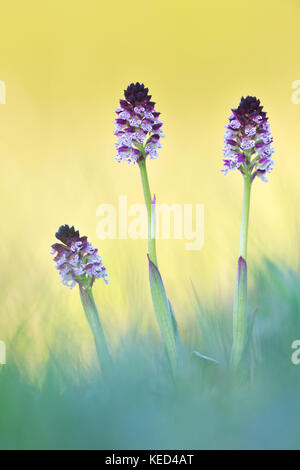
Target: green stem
245, 217
240, 298
162, 307
148, 202
92, 315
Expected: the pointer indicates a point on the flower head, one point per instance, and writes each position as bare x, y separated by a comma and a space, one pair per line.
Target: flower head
248, 140
76, 259
137, 125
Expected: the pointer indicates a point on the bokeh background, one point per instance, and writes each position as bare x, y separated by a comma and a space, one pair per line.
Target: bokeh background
65, 65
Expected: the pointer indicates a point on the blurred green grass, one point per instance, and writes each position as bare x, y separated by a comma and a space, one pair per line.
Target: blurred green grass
67, 405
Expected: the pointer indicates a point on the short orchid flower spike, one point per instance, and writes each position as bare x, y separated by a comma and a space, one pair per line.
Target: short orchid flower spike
77, 261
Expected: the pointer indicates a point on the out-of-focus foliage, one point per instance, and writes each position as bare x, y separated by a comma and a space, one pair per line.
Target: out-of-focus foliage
139, 406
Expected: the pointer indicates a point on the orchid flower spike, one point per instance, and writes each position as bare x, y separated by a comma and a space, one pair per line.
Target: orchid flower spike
137, 125
77, 261
248, 140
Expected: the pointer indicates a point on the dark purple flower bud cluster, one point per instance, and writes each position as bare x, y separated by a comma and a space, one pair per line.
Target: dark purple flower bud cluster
76, 259
248, 140
137, 125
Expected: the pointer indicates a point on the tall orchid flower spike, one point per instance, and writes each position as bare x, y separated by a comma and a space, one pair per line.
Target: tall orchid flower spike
247, 149
138, 130
78, 262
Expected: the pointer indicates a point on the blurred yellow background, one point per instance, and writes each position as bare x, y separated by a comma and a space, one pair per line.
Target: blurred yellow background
65, 65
